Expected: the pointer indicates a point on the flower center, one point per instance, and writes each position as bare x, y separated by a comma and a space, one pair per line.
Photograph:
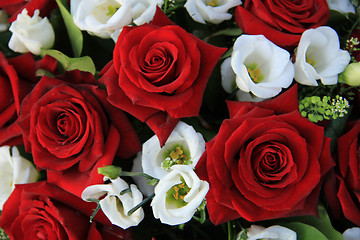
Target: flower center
310, 61
111, 10
213, 3
177, 154
255, 72
177, 193
105, 11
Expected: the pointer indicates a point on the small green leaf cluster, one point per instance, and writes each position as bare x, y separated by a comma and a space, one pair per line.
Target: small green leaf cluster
3, 235
325, 108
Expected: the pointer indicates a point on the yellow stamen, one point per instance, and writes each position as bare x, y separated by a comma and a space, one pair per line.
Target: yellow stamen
255, 73
213, 3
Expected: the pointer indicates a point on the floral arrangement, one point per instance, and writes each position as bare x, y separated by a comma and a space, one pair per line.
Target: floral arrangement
180, 119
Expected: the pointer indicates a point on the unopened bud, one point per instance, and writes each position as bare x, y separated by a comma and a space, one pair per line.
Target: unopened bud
351, 75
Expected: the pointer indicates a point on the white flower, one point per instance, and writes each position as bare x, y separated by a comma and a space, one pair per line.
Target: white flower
4, 24
273, 232
101, 17
143, 11
30, 34
319, 56
178, 195
14, 169
116, 205
343, 6
184, 146
258, 66
352, 234
213, 11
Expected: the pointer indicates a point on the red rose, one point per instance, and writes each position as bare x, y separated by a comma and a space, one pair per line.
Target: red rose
43, 211
159, 73
343, 187
281, 21
71, 129
17, 77
265, 162
14, 7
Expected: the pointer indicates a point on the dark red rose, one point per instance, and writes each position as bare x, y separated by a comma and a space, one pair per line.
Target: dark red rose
281, 21
17, 77
265, 162
43, 211
70, 129
159, 73
14, 7
342, 186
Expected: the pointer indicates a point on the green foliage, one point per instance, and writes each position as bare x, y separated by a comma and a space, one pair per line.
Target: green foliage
75, 35
3, 235
321, 224
318, 109
305, 231
67, 64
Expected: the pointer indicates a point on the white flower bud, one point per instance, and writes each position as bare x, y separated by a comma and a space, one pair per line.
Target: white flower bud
351, 74
30, 34
14, 169
116, 205
178, 195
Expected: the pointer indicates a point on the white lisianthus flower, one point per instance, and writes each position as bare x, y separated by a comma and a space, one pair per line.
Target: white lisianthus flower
30, 34
343, 6
352, 234
143, 11
14, 169
274, 232
4, 24
115, 204
213, 11
319, 57
258, 66
178, 195
101, 17
183, 146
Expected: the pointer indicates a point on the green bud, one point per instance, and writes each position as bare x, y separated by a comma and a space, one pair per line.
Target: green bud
110, 171
351, 75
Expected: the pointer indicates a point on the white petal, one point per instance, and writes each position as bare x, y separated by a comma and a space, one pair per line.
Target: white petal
228, 76
352, 234
274, 232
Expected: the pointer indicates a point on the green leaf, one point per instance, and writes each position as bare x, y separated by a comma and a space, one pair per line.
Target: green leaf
322, 224
234, 32
335, 129
75, 34
67, 64
305, 232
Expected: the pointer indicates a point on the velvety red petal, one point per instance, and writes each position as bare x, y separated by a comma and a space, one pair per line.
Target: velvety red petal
75, 182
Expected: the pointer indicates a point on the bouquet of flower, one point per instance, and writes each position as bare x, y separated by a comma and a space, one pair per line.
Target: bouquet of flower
180, 119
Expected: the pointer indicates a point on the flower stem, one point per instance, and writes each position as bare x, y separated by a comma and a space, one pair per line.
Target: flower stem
131, 211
